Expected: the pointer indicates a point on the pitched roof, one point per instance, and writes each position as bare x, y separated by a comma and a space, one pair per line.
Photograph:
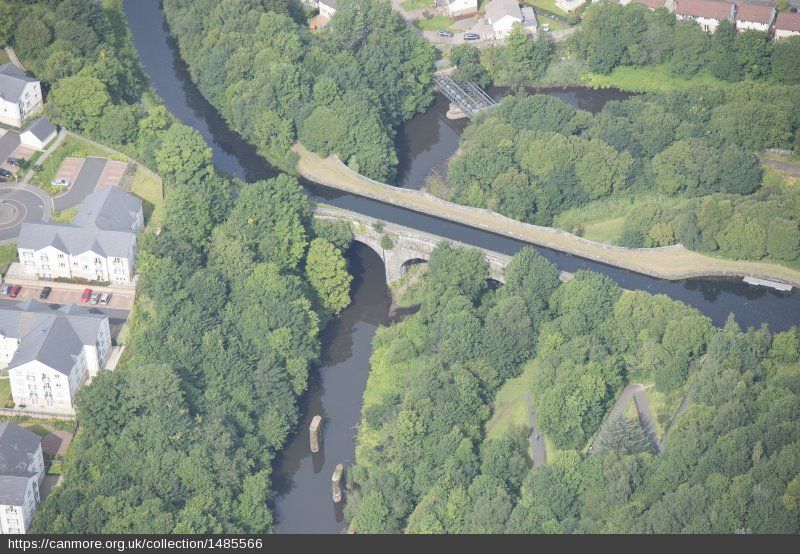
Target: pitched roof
788, 21
497, 9
331, 3
104, 224
710, 9
41, 128
52, 335
12, 82
18, 446
110, 209
12, 490
754, 13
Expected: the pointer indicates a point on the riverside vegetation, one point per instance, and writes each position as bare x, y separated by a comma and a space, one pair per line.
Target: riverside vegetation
424, 463
232, 294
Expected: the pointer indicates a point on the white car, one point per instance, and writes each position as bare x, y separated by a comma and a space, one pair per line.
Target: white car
60, 182
545, 26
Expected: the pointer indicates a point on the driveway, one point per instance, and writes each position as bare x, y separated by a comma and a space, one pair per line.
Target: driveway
84, 183
18, 204
112, 174
8, 143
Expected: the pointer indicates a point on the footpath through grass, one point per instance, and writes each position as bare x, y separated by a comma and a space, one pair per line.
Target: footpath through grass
654, 78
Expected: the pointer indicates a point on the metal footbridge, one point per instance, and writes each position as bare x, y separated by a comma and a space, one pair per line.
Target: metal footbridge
466, 95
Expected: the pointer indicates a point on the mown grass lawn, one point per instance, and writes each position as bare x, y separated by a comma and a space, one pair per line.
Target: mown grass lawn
511, 408
604, 231
434, 23
64, 216
549, 5
650, 79
554, 25
5, 393
150, 189
8, 254
410, 5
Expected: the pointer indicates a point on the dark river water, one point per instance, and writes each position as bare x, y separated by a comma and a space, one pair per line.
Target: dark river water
336, 389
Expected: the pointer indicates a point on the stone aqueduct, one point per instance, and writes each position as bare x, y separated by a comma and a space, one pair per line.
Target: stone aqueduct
408, 245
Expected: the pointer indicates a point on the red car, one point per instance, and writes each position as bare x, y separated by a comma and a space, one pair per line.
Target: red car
14, 291
87, 294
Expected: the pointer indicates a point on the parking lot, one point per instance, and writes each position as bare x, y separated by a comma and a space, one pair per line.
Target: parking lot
70, 168
118, 300
112, 174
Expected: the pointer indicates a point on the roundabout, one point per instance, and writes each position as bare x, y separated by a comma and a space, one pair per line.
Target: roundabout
18, 205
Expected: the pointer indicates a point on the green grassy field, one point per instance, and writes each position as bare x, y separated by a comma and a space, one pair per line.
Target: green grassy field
410, 5
3, 56
549, 5
71, 146
511, 408
150, 190
554, 25
434, 23
65, 216
649, 79
8, 254
5, 393
605, 231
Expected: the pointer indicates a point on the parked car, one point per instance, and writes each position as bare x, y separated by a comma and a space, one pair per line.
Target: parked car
60, 182
444, 33
14, 291
15, 161
45, 292
105, 297
471, 36
87, 294
545, 26
5, 290
95, 298
4, 172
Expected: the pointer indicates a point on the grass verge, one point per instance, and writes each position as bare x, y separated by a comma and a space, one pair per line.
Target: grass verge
434, 23
650, 79
150, 189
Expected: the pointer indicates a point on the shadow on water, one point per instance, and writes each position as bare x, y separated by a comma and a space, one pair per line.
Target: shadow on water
303, 479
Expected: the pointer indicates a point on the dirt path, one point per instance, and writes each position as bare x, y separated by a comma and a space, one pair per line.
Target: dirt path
670, 262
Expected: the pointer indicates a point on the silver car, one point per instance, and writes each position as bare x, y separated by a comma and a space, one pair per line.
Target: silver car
95, 298
61, 183
105, 297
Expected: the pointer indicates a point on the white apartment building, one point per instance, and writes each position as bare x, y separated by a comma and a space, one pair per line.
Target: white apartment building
20, 95
21, 471
787, 25
99, 244
753, 16
51, 351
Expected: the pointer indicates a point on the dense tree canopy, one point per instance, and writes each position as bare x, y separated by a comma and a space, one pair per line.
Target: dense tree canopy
343, 90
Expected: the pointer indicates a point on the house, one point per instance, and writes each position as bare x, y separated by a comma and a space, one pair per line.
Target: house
51, 351
787, 25
461, 9
530, 23
21, 471
99, 244
753, 16
327, 8
706, 13
570, 6
502, 15
38, 134
20, 95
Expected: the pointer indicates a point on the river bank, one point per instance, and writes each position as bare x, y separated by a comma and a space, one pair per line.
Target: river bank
668, 262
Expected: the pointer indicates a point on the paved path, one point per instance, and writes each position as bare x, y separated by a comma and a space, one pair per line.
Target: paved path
794, 169
85, 183
12, 56
633, 391
538, 449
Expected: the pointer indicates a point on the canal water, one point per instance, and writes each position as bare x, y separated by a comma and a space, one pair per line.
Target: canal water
336, 390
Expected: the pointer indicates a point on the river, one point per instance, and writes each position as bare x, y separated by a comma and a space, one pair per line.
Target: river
336, 389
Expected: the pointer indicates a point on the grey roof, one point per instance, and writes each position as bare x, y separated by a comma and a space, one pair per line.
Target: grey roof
497, 9
331, 3
12, 490
110, 209
103, 224
12, 82
52, 335
41, 128
18, 446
